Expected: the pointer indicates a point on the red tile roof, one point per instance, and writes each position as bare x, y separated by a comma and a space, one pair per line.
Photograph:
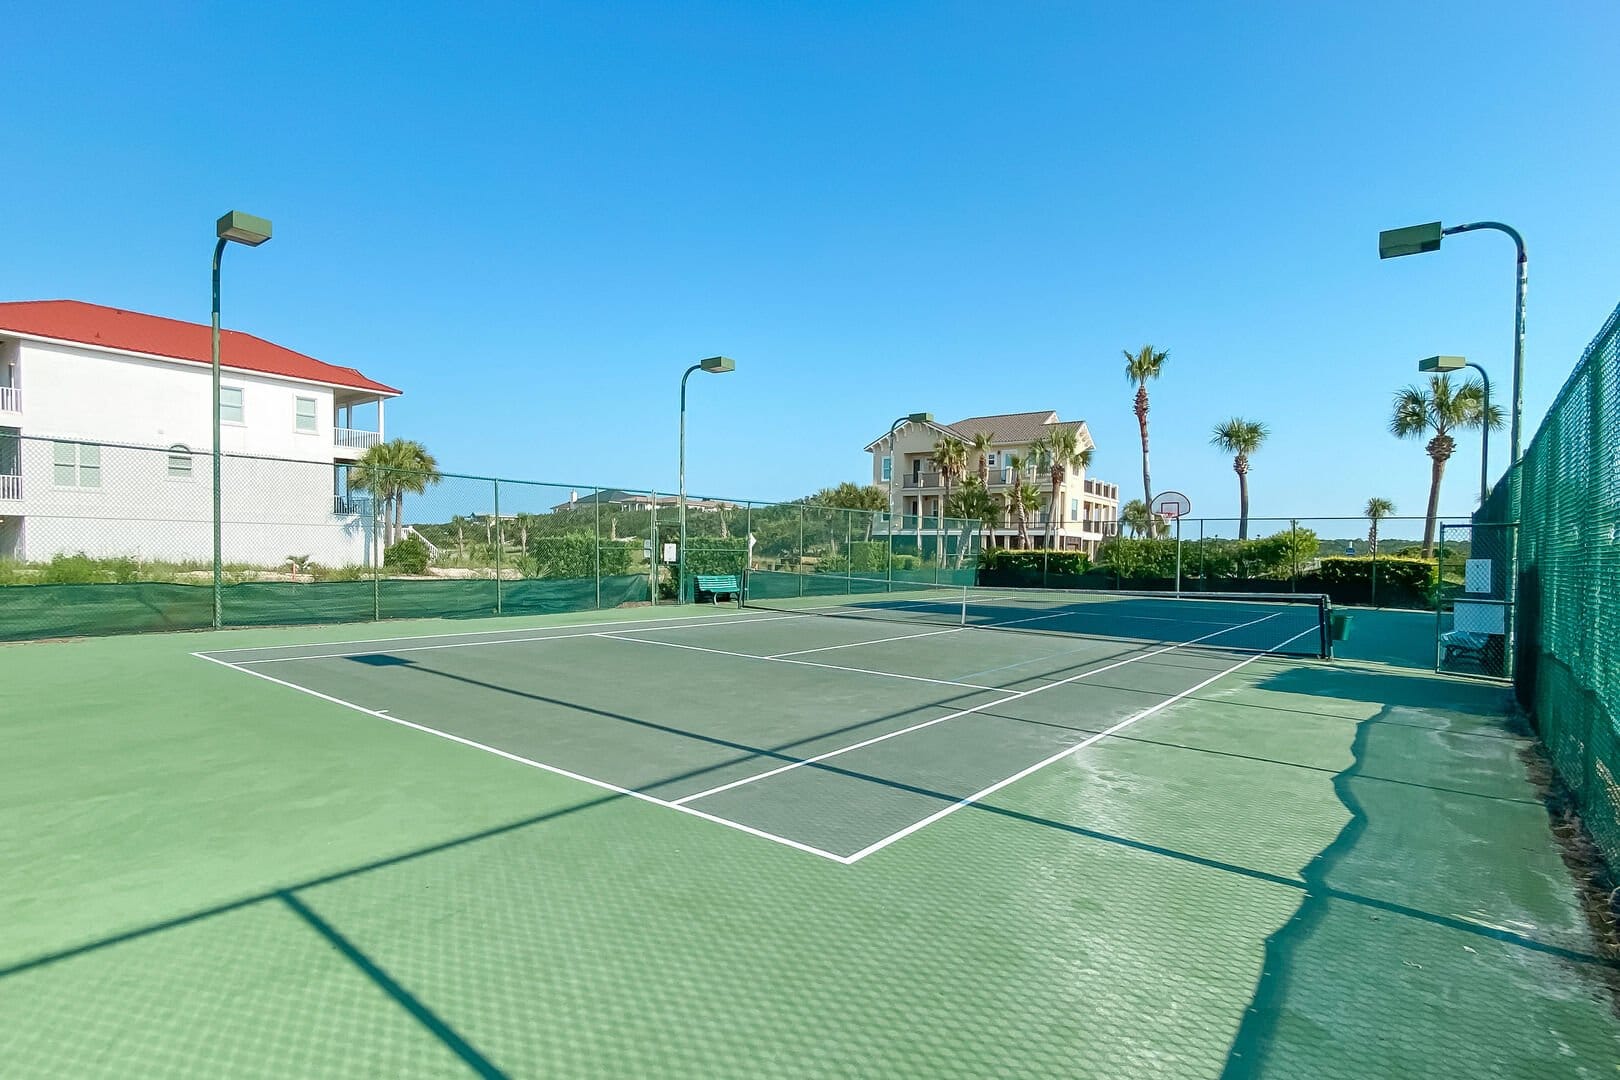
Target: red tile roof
113, 328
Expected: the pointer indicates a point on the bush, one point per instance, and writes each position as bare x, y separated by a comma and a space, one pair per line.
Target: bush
1002, 567
1402, 582
81, 569
408, 556
574, 555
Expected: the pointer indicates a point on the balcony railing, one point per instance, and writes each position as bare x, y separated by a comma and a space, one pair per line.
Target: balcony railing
921, 480
344, 505
10, 399
1004, 476
355, 439
10, 487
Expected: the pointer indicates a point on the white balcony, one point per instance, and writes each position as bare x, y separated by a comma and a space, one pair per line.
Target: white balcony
10, 399
10, 488
354, 440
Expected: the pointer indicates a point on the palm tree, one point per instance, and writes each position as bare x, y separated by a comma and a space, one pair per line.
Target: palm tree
980, 445
1136, 517
971, 503
1024, 499
390, 471
1144, 364
1060, 451
950, 458
1376, 511
1240, 438
1439, 408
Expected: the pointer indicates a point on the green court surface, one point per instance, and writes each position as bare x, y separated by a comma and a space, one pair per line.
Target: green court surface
705, 842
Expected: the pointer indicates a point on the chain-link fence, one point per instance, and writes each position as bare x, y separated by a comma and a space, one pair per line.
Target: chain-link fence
98, 538
1474, 604
1565, 557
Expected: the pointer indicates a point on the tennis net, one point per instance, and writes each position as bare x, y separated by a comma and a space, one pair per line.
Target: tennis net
1289, 624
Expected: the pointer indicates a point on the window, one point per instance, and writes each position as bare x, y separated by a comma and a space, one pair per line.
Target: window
179, 462
990, 459
77, 465
304, 414
888, 468
230, 404
1074, 509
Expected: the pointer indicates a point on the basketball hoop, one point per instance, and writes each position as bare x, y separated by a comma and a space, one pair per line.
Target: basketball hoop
1171, 505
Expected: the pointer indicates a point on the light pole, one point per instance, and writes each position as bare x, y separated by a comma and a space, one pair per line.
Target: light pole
1419, 239
242, 229
718, 365
1457, 363
894, 470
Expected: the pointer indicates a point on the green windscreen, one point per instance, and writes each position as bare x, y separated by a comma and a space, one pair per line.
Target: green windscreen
1566, 650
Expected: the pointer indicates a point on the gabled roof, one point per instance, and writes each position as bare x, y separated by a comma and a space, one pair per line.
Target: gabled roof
1009, 429
1014, 428
132, 331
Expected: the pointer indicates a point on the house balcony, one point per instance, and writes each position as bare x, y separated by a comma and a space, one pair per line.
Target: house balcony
352, 442
10, 488
350, 505
1102, 490
921, 481
10, 399
1005, 477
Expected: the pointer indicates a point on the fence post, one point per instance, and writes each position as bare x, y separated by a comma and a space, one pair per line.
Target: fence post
596, 527
374, 541
748, 550
849, 557
500, 545
1293, 551
654, 555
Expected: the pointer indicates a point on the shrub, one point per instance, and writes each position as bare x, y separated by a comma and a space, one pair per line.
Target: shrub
408, 556
81, 569
574, 555
1004, 567
1402, 582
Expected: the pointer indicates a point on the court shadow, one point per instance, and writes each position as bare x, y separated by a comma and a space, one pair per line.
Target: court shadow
1383, 687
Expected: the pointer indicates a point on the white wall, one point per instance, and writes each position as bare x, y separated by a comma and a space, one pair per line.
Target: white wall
271, 509
108, 397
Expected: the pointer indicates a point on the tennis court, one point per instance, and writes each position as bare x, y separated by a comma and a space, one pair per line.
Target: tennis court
883, 830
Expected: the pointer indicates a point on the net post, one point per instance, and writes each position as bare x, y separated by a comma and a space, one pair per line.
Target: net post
596, 527
654, 555
500, 545
1325, 614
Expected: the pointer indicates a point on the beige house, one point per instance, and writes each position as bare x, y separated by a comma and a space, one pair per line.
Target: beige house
1085, 513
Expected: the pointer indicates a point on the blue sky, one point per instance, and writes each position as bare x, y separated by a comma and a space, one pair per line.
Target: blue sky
532, 217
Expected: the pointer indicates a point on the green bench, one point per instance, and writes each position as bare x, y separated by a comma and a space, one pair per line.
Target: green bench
716, 585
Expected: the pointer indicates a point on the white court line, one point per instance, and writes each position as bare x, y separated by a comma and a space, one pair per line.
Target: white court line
1060, 755
807, 663
870, 641
509, 756
710, 621
723, 615
1013, 695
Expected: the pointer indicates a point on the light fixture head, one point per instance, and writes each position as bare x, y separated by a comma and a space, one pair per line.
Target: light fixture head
1412, 240
718, 364
920, 418
242, 228
1443, 363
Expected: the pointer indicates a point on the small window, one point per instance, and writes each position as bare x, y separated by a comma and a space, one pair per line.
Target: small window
76, 465
1074, 509
990, 459
179, 462
230, 404
304, 414
888, 468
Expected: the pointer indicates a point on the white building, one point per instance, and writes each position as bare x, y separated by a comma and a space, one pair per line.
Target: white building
105, 440
1084, 513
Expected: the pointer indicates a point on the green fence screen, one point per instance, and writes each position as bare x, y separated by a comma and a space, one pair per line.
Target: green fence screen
1567, 643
